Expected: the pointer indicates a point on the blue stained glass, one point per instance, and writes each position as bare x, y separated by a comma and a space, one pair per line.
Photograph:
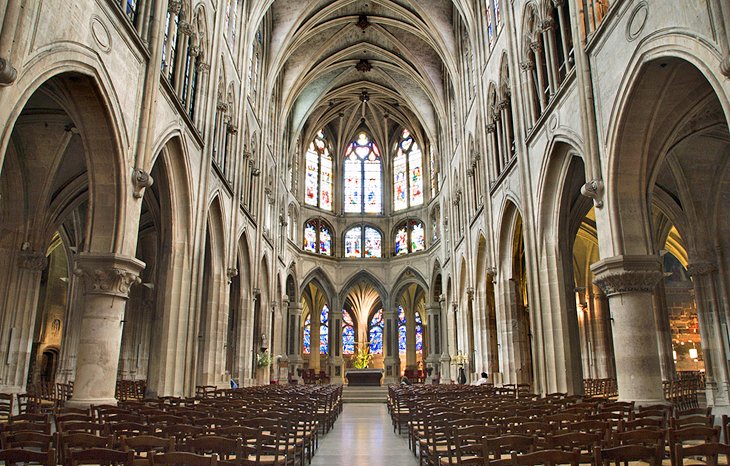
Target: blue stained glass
307, 335
419, 333
376, 333
401, 330
324, 331
348, 333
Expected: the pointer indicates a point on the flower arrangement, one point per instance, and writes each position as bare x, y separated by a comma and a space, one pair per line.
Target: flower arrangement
263, 359
362, 357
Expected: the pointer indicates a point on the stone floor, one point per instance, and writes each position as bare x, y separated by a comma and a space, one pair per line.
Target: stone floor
363, 436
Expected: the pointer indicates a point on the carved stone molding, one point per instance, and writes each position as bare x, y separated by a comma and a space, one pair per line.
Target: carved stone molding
696, 269
174, 6
725, 66
491, 273
140, 181
108, 274
536, 47
594, 190
627, 274
363, 66
470, 292
185, 28
32, 260
231, 128
527, 65
491, 128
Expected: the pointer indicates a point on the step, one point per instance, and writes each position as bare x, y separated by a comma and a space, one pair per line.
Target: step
364, 394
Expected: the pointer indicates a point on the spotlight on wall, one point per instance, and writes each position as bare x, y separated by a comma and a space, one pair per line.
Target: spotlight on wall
693, 353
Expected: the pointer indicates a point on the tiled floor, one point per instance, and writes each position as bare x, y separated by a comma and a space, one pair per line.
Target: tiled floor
363, 436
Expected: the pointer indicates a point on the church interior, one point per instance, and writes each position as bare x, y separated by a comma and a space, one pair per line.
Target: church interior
199, 197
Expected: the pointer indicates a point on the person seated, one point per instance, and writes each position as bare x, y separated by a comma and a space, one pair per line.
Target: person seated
481, 380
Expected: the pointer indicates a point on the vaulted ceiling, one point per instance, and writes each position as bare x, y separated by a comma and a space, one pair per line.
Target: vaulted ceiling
349, 63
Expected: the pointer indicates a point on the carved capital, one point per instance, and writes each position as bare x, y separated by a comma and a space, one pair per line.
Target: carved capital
194, 50
491, 273
222, 106
470, 292
491, 128
696, 269
231, 128
33, 260
140, 180
627, 274
536, 46
547, 24
203, 67
108, 274
174, 6
185, 28
527, 65
594, 190
725, 66
8, 74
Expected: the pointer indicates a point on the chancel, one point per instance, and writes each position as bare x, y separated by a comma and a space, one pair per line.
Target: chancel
372, 203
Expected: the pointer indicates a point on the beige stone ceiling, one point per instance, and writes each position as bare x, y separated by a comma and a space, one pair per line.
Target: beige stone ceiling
315, 47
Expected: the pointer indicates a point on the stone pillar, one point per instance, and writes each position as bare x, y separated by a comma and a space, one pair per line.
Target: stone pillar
445, 355
314, 334
411, 340
629, 283
294, 339
664, 332
602, 340
391, 359
713, 338
433, 317
106, 279
471, 347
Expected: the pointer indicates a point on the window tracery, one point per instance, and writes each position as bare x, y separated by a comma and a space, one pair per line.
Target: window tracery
363, 241
375, 332
348, 333
409, 237
318, 236
318, 178
363, 187
407, 173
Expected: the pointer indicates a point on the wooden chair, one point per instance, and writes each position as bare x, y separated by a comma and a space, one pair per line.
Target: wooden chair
183, 458
27, 426
626, 453
691, 434
468, 446
25, 439
499, 447
102, 456
6, 406
710, 451
693, 420
546, 457
584, 442
95, 428
144, 446
76, 441
13, 456
230, 451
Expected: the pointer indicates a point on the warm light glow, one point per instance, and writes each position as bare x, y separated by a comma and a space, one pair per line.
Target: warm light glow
674, 356
693, 353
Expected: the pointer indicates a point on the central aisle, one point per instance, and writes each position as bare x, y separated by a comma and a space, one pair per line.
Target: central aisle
363, 436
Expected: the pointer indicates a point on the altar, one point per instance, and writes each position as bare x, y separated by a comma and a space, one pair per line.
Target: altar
364, 377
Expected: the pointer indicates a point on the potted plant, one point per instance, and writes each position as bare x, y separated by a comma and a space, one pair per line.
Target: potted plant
362, 357
264, 359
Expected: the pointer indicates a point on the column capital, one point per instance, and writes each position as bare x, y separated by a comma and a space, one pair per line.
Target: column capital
627, 274
696, 269
32, 260
434, 308
108, 274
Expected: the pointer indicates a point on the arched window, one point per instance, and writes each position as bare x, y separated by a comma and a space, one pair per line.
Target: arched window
401, 330
407, 173
318, 237
307, 340
348, 333
363, 241
410, 236
375, 331
318, 183
435, 219
324, 327
419, 332
363, 185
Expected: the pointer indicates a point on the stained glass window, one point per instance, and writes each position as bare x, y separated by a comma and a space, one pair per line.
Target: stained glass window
497, 15
348, 333
490, 25
407, 173
373, 243
324, 326
358, 236
363, 178
419, 332
307, 335
401, 330
318, 237
375, 332
410, 236
353, 242
318, 178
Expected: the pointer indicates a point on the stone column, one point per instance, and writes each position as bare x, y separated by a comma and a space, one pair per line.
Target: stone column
629, 283
106, 279
664, 332
411, 340
602, 341
433, 317
445, 356
471, 347
713, 339
391, 359
294, 339
537, 49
